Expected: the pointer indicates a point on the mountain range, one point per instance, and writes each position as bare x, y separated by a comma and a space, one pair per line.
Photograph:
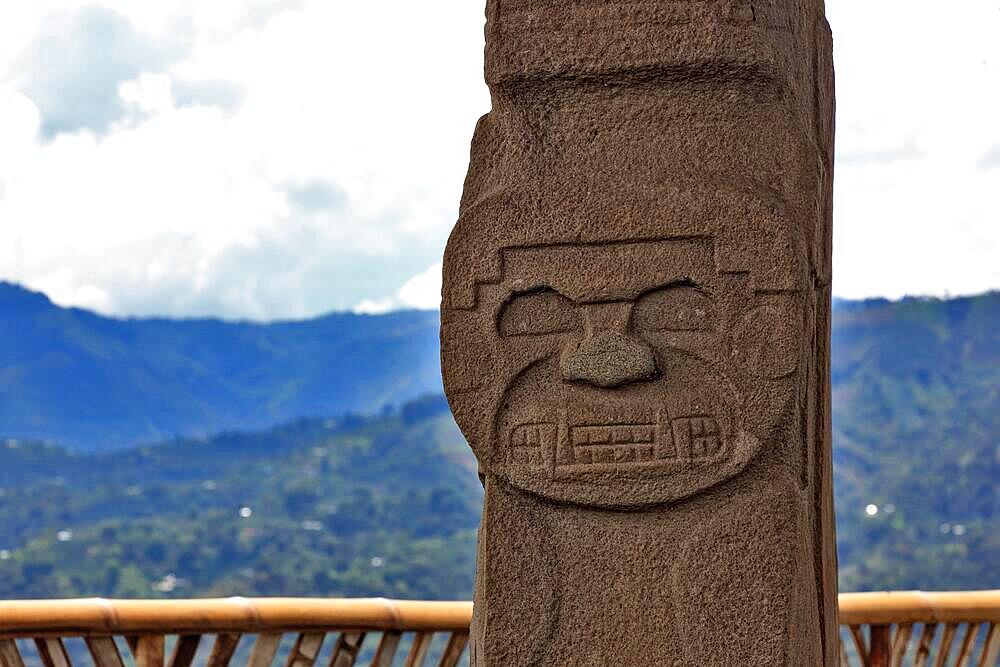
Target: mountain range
329, 478
96, 383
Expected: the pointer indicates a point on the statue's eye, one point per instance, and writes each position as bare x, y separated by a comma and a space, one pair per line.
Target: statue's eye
678, 308
538, 313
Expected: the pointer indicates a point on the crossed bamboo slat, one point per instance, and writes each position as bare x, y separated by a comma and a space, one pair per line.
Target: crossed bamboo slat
880, 630
148, 652
218, 626
917, 629
957, 645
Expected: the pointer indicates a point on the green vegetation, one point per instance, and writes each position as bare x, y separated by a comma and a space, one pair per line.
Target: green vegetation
96, 383
916, 416
388, 504
353, 507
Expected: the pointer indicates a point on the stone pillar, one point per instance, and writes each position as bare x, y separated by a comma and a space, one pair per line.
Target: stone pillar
635, 334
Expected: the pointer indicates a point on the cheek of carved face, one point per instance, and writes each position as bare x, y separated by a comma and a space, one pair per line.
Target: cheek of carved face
766, 343
617, 404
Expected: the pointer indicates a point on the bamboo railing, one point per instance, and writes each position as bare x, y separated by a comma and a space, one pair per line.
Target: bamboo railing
880, 630
145, 625
921, 629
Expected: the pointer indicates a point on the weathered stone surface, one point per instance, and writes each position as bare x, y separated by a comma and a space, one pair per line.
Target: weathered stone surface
635, 333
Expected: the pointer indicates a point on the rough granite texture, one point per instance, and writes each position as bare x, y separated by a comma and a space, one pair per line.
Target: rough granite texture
635, 334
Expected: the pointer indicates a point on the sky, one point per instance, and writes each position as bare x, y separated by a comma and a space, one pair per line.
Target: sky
275, 159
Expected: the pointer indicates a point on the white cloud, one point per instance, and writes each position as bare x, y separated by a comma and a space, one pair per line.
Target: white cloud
375, 306
918, 92
63, 286
990, 159
77, 60
422, 291
19, 123
282, 158
301, 157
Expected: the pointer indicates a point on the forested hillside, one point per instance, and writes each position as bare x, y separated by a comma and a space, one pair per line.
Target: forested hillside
388, 504
916, 416
98, 383
349, 507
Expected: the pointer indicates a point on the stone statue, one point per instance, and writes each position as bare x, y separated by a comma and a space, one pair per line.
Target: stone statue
635, 329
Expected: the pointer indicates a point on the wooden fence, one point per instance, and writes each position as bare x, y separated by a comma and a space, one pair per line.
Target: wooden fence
879, 630
921, 629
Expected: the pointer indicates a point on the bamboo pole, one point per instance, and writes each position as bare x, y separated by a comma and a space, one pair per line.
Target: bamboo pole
880, 653
919, 607
101, 617
144, 623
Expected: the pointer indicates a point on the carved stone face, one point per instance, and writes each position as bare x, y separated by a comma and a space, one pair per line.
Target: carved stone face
625, 320
630, 373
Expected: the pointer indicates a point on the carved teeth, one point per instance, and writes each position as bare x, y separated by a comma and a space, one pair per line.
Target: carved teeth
614, 443
613, 435
624, 455
698, 437
622, 434
532, 435
600, 436
686, 438
643, 435
528, 443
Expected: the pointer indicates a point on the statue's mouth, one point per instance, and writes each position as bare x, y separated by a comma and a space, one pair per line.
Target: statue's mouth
662, 443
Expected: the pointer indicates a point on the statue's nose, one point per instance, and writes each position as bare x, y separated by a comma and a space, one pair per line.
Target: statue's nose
608, 359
